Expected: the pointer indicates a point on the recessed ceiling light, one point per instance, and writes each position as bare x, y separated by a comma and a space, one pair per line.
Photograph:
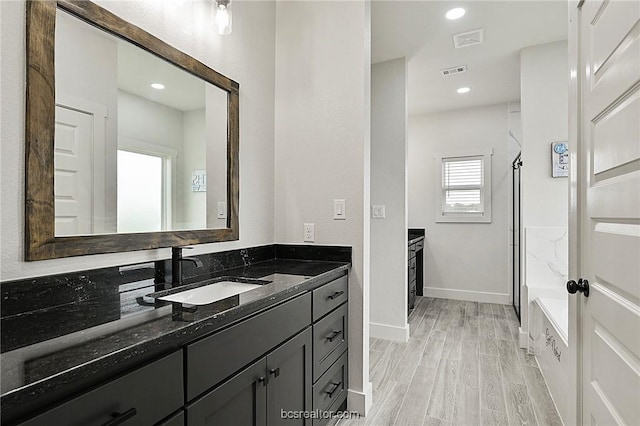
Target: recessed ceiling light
456, 13
158, 86
463, 90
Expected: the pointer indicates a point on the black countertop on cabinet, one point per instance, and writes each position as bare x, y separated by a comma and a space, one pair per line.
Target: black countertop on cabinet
415, 235
47, 371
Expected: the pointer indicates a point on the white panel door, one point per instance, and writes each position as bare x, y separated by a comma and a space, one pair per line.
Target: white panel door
73, 161
609, 46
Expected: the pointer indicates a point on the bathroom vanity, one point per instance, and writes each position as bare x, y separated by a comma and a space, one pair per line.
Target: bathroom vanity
415, 266
282, 346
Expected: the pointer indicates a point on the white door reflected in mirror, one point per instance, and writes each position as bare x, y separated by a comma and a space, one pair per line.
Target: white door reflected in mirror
126, 151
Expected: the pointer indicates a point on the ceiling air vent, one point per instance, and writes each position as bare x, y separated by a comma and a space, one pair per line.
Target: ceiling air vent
469, 38
454, 70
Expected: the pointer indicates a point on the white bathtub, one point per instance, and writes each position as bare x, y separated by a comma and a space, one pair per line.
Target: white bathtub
549, 319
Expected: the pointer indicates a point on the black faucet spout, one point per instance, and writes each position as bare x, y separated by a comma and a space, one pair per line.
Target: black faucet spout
176, 264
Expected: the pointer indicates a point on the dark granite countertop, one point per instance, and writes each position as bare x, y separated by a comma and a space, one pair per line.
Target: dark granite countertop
415, 235
45, 371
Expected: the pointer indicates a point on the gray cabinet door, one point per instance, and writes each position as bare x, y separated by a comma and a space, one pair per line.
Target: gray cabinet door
239, 401
290, 384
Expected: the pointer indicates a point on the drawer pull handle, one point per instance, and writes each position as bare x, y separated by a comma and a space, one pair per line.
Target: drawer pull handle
262, 380
334, 335
336, 386
119, 418
336, 294
275, 372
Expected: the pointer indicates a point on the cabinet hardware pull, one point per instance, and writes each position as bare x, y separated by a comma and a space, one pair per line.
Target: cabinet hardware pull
334, 335
119, 418
275, 372
336, 387
336, 294
262, 380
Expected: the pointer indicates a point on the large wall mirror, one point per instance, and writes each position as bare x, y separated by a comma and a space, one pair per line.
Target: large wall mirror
130, 143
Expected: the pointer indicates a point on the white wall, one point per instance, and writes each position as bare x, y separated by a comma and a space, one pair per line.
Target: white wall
247, 56
544, 83
87, 79
322, 146
389, 187
544, 104
462, 260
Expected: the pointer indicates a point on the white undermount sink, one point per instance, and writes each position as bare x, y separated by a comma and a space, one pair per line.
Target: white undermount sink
209, 293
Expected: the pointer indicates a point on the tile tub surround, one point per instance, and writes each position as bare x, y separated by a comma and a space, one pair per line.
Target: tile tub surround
549, 344
43, 372
546, 257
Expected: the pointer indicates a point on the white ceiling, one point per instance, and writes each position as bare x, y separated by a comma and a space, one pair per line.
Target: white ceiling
137, 69
419, 31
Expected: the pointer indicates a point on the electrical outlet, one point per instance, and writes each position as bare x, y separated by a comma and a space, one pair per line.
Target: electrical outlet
309, 232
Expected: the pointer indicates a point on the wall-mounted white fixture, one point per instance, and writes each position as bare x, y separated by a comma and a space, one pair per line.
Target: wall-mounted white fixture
378, 211
463, 90
455, 13
158, 86
339, 210
223, 16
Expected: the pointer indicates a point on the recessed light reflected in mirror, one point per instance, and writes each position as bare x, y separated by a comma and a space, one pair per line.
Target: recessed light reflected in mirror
456, 13
463, 90
158, 86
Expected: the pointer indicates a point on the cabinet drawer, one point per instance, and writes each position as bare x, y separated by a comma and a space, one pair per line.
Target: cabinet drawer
330, 296
147, 395
329, 339
412, 251
175, 420
412, 269
331, 389
214, 358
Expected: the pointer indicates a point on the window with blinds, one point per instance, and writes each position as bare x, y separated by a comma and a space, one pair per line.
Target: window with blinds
462, 185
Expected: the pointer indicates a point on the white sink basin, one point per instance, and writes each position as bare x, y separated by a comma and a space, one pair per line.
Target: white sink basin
209, 293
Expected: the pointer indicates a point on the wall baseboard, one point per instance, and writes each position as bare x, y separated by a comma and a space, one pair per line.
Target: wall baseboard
389, 332
523, 338
472, 296
360, 402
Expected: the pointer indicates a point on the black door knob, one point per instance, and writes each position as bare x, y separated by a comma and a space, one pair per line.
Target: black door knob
581, 286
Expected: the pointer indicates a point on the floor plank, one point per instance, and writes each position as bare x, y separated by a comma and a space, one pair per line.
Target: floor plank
471, 309
467, 406
452, 348
491, 392
432, 421
433, 349
509, 362
443, 395
469, 368
408, 362
471, 328
390, 407
540, 398
493, 418
379, 344
374, 358
414, 407
519, 408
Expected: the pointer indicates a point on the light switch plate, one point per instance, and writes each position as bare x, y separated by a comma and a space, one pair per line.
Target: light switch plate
222, 210
309, 232
339, 209
377, 211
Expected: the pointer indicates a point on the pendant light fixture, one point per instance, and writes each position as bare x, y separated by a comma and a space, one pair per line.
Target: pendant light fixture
223, 16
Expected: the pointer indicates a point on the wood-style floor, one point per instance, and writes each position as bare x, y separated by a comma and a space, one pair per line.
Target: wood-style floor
461, 366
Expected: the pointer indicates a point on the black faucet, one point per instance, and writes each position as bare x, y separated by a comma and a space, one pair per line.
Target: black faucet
176, 264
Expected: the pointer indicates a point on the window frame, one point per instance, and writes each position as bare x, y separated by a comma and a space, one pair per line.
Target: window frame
485, 189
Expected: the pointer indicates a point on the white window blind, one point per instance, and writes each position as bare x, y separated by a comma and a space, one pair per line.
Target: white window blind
463, 185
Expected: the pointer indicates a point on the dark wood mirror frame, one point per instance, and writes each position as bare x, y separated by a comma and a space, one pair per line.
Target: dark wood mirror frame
40, 240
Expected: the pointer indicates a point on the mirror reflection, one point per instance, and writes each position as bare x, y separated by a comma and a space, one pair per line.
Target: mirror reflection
140, 145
